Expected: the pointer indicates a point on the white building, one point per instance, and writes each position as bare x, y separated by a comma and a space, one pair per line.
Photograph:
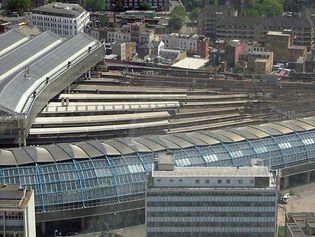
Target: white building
63, 19
118, 36
183, 42
17, 211
210, 201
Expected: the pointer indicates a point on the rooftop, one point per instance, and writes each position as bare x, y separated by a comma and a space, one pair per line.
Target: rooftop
13, 196
263, 21
191, 63
214, 172
60, 9
25, 68
277, 33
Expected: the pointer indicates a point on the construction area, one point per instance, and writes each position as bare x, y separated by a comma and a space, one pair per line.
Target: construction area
301, 200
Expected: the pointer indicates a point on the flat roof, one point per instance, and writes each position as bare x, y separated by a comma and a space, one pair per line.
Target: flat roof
14, 196
60, 9
214, 172
191, 63
277, 33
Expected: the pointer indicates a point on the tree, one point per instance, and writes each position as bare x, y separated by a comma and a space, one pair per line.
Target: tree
94, 5
194, 14
271, 8
179, 11
263, 7
103, 20
175, 23
145, 6
19, 5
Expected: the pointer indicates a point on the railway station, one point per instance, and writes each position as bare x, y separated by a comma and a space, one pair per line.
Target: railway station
86, 144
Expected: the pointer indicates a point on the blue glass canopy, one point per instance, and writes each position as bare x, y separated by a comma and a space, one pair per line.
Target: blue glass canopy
94, 173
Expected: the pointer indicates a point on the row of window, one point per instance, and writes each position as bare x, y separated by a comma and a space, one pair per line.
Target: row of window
207, 181
211, 214
210, 204
211, 224
53, 19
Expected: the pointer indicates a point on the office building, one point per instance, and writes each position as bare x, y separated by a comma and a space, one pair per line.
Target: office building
63, 19
210, 201
17, 211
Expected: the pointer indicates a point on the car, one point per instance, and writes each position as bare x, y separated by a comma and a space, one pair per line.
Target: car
285, 198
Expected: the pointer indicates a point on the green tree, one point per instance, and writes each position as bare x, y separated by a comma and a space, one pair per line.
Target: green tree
194, 14
103, 20
19, 5
94, 5
145, 6
179, 11
263, 7
271, 8
175, 23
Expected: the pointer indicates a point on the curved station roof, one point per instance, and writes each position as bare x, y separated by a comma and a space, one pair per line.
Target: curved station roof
27, 62
92, 173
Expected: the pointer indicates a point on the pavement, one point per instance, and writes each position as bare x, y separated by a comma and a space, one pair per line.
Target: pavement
302, 200
133, 231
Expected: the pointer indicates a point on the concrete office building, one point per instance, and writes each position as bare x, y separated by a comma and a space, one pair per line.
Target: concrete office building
17, 211
210, 201
63, 19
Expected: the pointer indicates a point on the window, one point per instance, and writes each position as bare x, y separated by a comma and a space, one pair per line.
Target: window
158, 180
261, 149
207, 181
285, 145
240, 181
308, 141
219, 181
197, 181
236, 154
210, 157
252, 181
171, 180
228, 181
180, 180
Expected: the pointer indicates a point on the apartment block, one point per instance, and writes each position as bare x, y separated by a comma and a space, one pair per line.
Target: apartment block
63, 19
118, 36
259, 60
210, 201
193, 44
17, 211
282, 45
210, 16
158, 5
256, 28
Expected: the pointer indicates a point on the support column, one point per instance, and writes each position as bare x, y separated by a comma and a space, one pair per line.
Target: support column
286, 182
308, 177
83, 224
43, 228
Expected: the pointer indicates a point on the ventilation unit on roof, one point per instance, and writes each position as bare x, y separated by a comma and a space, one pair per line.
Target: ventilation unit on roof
256, 162
27, 73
